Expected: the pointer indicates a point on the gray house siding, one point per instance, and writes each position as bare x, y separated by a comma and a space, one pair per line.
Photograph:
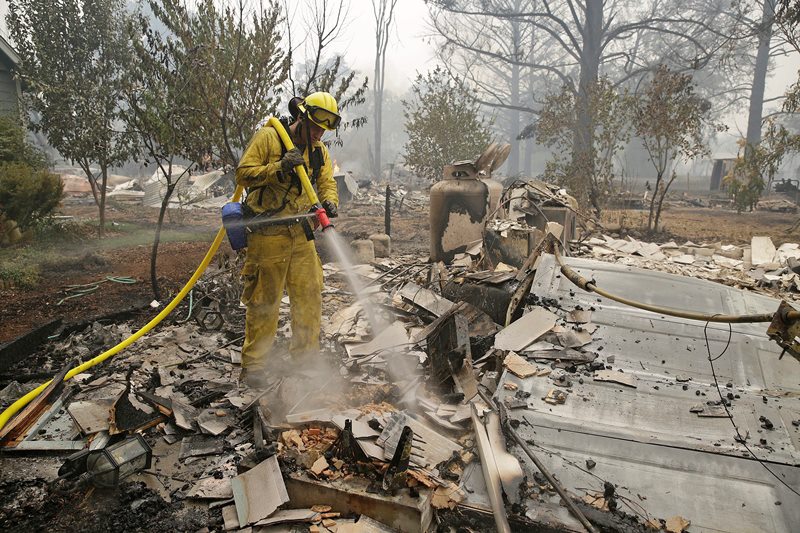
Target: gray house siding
10, 90
9, 99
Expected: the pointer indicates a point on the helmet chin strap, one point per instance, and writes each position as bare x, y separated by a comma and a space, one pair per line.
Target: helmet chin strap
303, 127
308, 137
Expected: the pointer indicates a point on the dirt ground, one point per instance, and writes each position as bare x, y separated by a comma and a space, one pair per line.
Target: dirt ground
89, 260
711, 225
22, 309
92, 259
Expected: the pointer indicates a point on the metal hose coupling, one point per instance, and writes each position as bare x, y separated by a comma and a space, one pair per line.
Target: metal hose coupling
577, 279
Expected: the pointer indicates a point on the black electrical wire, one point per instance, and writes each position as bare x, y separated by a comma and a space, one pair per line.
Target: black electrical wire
739, 437
641, 512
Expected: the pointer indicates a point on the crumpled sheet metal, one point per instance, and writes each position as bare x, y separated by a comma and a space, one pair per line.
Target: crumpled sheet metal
645, 440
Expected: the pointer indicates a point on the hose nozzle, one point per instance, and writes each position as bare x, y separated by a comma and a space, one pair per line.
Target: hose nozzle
322, 217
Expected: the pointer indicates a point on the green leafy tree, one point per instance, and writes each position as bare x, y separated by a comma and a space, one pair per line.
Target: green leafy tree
14, 145
756, 165
443, 123
197, 90
588, 178
72, 57
160, 110
669, 118
241, 66
28, 191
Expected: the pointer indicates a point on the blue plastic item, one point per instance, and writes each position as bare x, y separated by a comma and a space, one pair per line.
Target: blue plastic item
233, 222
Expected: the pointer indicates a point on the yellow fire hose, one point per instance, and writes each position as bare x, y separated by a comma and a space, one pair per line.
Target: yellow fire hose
318, 210
22, 402
15, 407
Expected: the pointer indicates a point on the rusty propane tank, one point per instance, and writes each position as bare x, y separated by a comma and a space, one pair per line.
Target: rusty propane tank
462, 202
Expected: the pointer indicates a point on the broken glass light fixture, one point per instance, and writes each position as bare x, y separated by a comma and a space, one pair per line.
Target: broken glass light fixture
111, 465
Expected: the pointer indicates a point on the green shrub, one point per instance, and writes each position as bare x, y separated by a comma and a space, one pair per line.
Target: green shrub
15, 147
23, 276
28, 194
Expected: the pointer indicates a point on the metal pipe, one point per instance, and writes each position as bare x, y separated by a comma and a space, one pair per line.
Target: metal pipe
543, 469
553, 481
403, 270
387, 215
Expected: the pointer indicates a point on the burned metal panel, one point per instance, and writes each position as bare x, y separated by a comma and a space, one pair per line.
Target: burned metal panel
667, 353
641, 337
16, 429
540, 216
448, 348
662, 416
511, 246
668, 290
492, 300
675, 349
426, 299
400, 511
259, 491
643, 437
716, 492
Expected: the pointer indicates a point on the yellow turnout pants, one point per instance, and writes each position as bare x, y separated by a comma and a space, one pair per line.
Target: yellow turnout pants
280, 257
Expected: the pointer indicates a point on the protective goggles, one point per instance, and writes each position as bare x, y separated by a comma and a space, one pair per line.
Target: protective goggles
323, 118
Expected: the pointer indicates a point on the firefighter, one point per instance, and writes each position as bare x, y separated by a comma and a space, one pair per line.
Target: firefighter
280, 247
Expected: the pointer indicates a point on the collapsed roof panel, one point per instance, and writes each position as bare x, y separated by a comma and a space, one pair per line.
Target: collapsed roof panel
650, 419
714, 492
679, 292
639, 336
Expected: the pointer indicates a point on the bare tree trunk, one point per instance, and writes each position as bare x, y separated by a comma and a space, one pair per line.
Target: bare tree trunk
383, 11
377, 119
513, 113
157, 240
527, 164
513, 124
760, 76
657, 200
582, 156
594, 199
104, 182
662, 194
656, 190
92, 181
172, 184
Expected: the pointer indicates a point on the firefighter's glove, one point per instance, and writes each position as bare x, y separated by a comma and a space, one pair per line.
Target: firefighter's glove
330, 209
291, 159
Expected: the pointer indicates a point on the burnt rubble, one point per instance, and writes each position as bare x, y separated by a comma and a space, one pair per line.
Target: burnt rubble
474, 395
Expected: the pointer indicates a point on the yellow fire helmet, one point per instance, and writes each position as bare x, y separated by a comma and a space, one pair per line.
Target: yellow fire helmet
321, 109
